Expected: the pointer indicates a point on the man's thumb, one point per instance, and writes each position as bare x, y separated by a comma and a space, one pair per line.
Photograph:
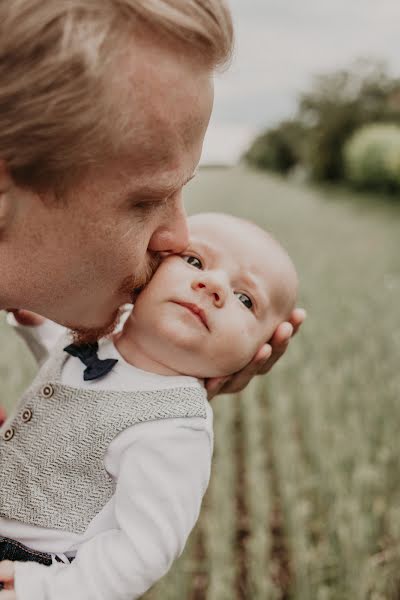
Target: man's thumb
6, 571
26, 317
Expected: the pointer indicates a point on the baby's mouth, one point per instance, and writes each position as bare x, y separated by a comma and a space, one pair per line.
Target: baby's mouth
196, 310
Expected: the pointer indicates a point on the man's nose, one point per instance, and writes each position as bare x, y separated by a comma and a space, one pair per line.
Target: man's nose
172, 235
211, 284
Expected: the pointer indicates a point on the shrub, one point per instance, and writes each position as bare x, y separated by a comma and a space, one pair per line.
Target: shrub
372, 157
277, 149
338, 104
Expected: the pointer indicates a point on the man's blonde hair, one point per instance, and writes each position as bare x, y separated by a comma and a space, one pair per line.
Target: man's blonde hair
55, 57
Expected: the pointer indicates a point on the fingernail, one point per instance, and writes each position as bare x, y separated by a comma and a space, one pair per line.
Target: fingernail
265, 356
288, 329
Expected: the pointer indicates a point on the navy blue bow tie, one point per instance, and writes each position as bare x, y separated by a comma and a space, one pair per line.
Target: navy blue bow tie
95, 367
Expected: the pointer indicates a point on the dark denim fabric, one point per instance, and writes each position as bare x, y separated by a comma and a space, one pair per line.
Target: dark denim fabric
12, 550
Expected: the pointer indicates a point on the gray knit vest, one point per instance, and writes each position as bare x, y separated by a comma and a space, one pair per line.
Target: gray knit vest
52, 449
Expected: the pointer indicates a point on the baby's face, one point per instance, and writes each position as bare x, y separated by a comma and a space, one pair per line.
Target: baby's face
207, 311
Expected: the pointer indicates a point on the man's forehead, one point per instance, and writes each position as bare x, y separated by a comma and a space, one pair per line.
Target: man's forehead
169, 97
156, 151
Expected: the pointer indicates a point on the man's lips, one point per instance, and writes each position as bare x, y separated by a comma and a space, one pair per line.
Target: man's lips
196, 310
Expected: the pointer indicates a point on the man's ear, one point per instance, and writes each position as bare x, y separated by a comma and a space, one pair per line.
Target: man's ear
7, 206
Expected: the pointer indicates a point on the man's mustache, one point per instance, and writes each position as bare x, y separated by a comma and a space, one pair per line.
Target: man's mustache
133, 284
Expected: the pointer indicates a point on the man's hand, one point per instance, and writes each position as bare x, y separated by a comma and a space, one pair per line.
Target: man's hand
7, 579
26, 317
263, 361
3, 415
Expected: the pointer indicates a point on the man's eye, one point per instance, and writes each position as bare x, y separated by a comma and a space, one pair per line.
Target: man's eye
245, 300
148, 205
194, 261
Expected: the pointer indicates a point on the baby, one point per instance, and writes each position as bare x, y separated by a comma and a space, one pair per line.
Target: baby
102, 478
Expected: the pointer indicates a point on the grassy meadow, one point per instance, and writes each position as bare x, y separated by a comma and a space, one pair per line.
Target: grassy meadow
304, 500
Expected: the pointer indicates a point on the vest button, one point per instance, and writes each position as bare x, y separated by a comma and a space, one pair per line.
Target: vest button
47, 391
27, 415
8, 434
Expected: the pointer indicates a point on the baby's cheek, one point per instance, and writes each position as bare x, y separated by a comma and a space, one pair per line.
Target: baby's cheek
237, 352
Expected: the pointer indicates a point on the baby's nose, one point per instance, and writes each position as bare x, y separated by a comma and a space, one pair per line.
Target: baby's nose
211, 288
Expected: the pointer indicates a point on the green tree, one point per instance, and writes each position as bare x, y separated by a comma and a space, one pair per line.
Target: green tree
337, 105
278, 149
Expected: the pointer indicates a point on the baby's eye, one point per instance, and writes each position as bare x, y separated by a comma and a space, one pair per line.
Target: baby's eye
194, 261
245, 300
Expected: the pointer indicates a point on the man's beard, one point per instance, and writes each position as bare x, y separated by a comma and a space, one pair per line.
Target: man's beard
132, 286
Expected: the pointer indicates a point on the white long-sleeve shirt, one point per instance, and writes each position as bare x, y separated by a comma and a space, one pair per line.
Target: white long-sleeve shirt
161, 470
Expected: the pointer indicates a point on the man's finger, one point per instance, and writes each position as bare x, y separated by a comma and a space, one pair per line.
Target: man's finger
263, 361
279, 343
6, 571
263, 355
26, 317
297, 318
214, 386
275, 356
3, 415
240, 380
281, 336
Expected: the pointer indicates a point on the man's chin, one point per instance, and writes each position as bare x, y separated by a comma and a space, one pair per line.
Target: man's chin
89, 335
129, 289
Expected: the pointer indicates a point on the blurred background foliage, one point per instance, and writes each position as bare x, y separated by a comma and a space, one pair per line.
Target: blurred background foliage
329, 140
372, 157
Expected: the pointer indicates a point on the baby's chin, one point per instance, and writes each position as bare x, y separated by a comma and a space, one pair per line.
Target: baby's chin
190, 359
208, 370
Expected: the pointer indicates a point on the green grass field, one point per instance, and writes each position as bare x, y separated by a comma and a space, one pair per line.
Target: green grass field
304, 501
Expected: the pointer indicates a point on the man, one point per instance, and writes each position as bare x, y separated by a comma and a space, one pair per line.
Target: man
104, 107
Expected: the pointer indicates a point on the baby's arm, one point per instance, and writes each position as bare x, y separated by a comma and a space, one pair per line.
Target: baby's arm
39, 334
163, 476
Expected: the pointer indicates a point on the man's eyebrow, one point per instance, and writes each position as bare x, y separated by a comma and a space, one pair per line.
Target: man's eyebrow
153, 191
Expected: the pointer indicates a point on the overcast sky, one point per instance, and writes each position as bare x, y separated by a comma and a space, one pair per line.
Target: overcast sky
280, 45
